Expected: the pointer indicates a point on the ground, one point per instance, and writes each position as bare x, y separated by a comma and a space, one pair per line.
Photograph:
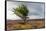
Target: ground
28, 25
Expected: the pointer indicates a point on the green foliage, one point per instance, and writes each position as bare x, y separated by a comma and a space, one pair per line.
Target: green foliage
21, 11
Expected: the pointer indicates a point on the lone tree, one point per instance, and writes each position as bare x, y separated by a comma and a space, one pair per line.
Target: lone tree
22, 12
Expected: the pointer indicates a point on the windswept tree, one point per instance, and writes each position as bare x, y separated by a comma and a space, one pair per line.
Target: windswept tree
22, 12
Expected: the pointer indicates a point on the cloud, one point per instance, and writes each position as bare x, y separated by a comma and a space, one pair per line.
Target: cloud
34, 17
36, 10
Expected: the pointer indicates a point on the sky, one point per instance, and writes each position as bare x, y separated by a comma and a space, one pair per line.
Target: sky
36, 10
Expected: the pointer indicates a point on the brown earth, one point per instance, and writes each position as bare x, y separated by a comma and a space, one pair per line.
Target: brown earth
31, 24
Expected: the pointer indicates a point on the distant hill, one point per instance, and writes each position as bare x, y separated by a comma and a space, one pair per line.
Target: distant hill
27, 20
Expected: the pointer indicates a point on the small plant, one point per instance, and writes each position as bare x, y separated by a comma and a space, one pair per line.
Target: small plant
22, 12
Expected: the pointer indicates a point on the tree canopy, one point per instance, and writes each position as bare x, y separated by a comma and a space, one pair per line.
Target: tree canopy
21, 11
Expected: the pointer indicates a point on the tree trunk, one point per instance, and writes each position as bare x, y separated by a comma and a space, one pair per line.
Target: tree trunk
24, 19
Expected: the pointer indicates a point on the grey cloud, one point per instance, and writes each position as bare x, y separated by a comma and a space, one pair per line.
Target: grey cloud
36, 9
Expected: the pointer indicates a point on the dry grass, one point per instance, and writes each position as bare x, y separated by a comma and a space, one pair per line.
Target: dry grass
29, 25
